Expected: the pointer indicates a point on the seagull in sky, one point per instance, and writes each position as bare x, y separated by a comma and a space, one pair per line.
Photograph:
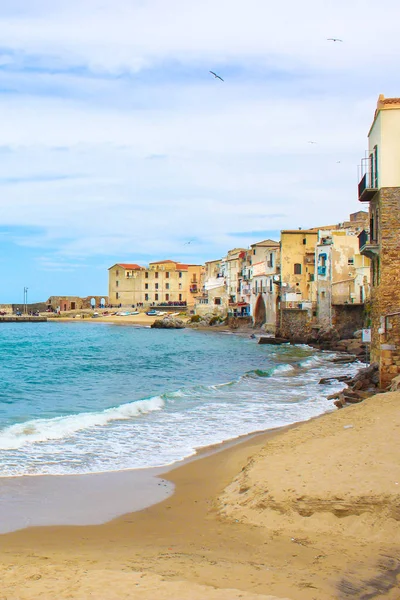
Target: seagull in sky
334, 40
187, 243
216, 76
310, 142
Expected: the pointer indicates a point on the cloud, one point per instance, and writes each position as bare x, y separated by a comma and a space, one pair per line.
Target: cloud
118, 142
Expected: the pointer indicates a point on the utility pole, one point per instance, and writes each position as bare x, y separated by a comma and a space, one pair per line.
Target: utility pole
25, 300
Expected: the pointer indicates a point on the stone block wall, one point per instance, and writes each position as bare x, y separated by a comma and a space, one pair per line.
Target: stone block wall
385, 292
347, 318
294, 324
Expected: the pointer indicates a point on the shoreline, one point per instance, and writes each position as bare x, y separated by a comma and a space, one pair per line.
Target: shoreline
216, 538
70, 497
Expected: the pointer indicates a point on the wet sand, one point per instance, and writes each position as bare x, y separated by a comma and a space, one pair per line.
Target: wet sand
310, 512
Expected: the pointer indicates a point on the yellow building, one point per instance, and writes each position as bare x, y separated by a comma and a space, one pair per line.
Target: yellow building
298, 265
166, 282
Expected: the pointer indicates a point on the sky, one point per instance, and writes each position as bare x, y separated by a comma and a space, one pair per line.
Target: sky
118, 145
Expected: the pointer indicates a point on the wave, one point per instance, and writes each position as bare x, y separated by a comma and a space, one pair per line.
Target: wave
43, 430
57, 428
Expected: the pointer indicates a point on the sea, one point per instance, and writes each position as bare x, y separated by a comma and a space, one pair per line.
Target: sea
80, 398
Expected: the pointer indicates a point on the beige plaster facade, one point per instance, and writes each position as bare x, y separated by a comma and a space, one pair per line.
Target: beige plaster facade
163, 282
342, 274
298, 264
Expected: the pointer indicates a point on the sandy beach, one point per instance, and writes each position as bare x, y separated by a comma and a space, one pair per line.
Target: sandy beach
309, 512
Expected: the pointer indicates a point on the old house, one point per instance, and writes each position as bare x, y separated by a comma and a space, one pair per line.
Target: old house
265, 261
166, 282
342, 278
380, 187
298, 266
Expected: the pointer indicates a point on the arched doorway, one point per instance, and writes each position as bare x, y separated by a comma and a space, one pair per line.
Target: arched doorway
260, 312
102, 303
93, 303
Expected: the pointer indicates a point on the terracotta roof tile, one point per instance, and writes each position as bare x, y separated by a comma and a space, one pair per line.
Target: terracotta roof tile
130, 266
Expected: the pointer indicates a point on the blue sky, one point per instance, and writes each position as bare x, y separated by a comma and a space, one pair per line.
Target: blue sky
117, 145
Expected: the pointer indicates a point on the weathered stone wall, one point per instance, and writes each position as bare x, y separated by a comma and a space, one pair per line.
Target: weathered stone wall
238, 322
295, 325
347, 318
385, 293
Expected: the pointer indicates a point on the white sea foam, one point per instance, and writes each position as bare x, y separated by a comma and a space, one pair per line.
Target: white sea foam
43, 430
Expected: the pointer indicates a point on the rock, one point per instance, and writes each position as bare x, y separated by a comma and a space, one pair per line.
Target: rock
273, 341
168, 323
395, 385
334, 396
342, 360
341, 378
328, 335
339, 403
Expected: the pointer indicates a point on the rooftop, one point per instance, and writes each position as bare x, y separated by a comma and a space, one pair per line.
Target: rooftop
264, 243
129, 266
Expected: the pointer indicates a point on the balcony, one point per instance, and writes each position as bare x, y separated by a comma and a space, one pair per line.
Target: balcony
368, 185
367, 246
193, 289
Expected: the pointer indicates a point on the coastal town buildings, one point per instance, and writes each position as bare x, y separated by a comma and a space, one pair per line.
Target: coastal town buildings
342, 274
165, 282
298, 266
380, 187
71, 303
266, 266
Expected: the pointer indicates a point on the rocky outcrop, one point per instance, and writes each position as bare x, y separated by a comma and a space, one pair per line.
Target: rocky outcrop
363, 385
272, 341
168, 322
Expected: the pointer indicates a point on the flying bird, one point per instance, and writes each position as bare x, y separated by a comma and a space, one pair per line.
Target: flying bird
310, 142
216, 76
187, 243
334, 40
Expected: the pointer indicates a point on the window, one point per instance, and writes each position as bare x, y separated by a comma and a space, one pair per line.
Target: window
180, 274
155, 296
180, 286
297, 269
156, 286
217, 301
167, 286
270, 284
167, 275
304, 241
254, 252
167, 297
116, 273
146, 275
146, 286
117, 296
146, 297
194, 279
156, 274
180, 297
350, 261
271, 260
117, 283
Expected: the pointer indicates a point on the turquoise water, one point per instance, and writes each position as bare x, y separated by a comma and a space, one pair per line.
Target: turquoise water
80, 398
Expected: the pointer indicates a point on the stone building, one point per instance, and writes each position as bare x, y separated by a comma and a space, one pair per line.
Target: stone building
380, 186
71, 303
166, 282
